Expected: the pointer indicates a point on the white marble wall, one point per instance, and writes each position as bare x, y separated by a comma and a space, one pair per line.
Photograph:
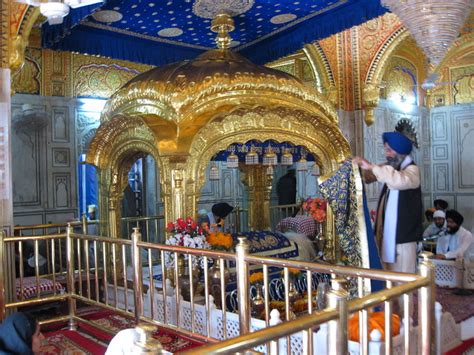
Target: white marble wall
45, 158
387, 114
452, 155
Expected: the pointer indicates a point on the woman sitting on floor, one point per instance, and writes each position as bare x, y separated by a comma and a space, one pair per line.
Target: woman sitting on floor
20, 334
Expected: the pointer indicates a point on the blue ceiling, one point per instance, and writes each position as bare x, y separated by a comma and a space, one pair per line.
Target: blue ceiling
159, 32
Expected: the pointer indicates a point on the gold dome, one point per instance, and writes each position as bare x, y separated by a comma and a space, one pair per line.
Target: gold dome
177, 91
215, 62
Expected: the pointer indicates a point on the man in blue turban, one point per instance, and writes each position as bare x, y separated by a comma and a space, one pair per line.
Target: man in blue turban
398, 226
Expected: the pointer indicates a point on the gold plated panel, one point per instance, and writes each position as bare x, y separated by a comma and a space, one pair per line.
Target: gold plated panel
460, 56
400, 85
101, 77
28, 79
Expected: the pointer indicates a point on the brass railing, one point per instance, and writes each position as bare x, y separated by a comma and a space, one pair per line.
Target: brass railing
101, 264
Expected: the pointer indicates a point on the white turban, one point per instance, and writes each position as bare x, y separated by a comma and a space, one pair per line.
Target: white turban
439, 214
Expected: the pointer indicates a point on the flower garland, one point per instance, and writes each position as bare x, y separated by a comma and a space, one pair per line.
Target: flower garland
220, 241
256, 277
185, 233
316, 208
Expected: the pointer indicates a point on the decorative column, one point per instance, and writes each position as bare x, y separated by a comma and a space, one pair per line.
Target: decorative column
173, 185
6, 186
259, 188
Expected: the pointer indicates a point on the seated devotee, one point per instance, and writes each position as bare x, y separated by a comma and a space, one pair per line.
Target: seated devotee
428, 217
20, 334
438, 227
440, 204
458, 239
215, 219
302, 230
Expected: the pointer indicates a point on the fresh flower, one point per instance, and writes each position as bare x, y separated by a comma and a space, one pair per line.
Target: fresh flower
292, 271
256, 277
220, 240
316, 208
185, 233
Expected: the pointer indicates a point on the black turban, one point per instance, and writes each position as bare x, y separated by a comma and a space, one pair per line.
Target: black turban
455, 216
222, 209
441, 203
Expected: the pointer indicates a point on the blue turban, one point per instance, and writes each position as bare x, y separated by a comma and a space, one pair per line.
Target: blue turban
398, 142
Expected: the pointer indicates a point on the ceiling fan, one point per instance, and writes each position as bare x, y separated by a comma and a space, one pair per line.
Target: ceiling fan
56, 10
431, 82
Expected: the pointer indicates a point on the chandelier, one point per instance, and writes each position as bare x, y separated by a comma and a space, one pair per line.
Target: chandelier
270, 158
232, 159
434, 24
302, 164
214, 172
286, 157
252, 157
56, 10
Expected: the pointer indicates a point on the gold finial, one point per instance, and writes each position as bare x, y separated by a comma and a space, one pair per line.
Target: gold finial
222, 25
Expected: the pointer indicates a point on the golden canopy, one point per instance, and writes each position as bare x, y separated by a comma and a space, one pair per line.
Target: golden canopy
185, 113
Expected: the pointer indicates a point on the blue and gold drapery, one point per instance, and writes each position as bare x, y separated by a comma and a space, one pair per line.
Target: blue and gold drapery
345, 194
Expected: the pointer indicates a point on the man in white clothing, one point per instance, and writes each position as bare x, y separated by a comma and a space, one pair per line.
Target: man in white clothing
438, 227
458, 240
398, 226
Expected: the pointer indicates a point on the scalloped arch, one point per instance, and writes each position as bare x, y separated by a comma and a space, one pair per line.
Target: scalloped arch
324, 140
121, 131
379, 62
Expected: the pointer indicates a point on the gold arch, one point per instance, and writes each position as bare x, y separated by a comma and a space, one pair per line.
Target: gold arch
18, 41
280, 124
321, 68
115, 147
371, 88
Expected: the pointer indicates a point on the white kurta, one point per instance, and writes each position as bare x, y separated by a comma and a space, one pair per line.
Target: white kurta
454, 246
408, 177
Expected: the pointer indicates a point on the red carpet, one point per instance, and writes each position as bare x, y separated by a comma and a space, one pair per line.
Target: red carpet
466, 347
70, 342
94, 340
111, 323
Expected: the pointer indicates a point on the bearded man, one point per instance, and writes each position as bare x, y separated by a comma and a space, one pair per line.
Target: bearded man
458, 240
438, 227
398, 226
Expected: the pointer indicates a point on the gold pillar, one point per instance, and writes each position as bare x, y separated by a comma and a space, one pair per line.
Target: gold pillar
174, 182
259, 188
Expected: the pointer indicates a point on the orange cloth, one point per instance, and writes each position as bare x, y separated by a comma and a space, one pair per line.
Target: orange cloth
376, 321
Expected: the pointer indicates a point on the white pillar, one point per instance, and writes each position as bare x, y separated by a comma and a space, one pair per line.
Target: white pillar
6, 187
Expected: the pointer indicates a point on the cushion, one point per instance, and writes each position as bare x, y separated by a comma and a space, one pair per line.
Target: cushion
30, 287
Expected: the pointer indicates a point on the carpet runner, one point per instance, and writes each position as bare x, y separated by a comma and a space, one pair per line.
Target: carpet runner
94, 340
71, 342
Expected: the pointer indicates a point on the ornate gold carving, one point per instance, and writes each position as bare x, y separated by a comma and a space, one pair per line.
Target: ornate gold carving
28, 79
5, 33
57, 68
17, 52
180, 92
320, 137
460, 55
21, 22
320, 65
400, 84
259, 188
371, 95
101, 77
464, 84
